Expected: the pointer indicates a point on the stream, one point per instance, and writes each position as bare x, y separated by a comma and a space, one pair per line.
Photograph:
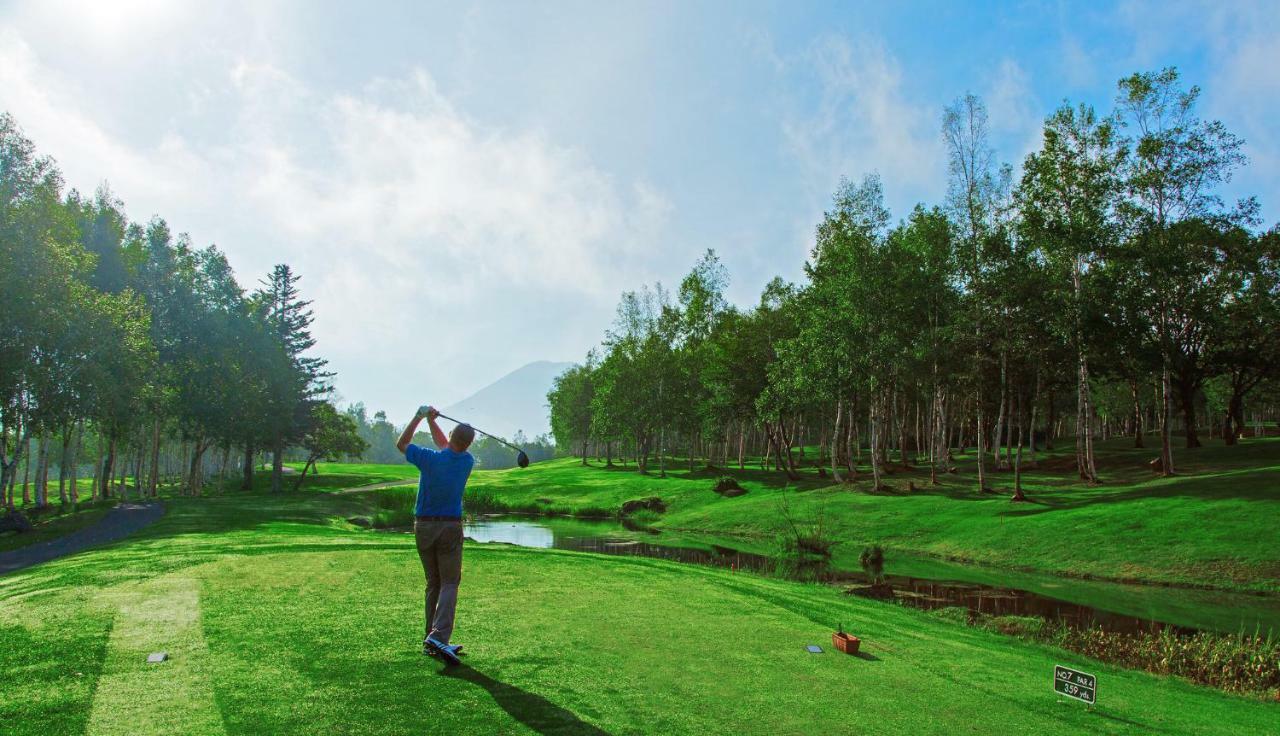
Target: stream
920, 582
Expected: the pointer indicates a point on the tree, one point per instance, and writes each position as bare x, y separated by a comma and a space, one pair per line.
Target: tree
329, 435
1177, 161
629, 399
570, 403
1067, 199
740, 353
974, 195
40, 262
846, 333
131, 335
1244, 346
299, 381
929, 238
688, 328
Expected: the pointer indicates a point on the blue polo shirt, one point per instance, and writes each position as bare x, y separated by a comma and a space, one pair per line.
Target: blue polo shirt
443, 477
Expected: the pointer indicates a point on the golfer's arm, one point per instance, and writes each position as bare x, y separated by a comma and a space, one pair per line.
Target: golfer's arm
407, 436
437, 434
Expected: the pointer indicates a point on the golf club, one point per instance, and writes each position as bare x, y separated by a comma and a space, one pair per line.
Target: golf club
522, 459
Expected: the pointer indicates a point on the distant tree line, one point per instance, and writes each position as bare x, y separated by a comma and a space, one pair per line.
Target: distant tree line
1107, 291
126, 349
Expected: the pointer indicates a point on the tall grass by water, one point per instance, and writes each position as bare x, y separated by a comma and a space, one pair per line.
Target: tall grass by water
1243, 663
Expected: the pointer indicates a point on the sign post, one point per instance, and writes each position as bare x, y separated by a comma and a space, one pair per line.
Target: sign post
1075, 684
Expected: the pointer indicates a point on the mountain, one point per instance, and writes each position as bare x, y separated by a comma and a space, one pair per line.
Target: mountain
518, 400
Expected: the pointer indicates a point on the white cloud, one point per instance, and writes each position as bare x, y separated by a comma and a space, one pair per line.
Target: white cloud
1244, 91
1241, 46
419, 232
1076, 63
46, 106
1013, 109
864, 122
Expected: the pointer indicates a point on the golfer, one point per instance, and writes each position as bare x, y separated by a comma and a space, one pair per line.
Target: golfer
437, 525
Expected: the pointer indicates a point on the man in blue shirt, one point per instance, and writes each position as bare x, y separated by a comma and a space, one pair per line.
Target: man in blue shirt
437, 526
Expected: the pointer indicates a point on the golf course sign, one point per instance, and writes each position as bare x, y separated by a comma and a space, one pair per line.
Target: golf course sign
1074, 684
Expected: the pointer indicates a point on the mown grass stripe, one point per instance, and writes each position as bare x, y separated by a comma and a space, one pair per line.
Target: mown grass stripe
176, 696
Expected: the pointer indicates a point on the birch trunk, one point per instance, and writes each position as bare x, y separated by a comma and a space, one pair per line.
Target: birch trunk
836, 441
62, 464
77, 438
997, 432
42, 472
1166, 428
1017, 461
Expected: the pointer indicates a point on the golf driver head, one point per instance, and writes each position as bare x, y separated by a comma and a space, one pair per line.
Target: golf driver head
522, 459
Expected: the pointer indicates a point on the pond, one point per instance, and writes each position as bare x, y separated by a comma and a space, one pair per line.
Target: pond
919, 582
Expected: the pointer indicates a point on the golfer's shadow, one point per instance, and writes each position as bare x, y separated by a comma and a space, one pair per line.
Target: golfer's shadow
532, 710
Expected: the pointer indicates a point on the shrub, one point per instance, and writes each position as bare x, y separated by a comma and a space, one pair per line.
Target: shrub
594, 512
390, 499
1241, 663
642, 518
805, 545
1026, 627
652, 503
812, 542
954, 614
392, 518
872, 561
15, 521
727, 485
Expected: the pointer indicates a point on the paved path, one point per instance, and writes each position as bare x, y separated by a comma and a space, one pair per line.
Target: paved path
119, 522
376, 486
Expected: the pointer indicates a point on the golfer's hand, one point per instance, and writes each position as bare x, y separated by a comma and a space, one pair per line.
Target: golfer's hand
424, 411
432, 413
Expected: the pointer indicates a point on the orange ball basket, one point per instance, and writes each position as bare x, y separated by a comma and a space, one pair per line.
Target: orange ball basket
847, 643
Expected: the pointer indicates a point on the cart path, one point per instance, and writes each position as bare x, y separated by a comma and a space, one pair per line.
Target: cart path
118, 523
385, 484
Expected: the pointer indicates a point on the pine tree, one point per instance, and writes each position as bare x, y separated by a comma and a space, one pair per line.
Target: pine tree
299, 381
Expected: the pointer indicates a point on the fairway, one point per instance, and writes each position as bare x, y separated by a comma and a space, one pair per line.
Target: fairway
278, 620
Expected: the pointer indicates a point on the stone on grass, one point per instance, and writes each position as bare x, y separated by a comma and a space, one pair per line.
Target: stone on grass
727, 486
652, 503
14, 521
155, 657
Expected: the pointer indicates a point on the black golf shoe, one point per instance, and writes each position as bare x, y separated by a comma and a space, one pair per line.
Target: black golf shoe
447, 652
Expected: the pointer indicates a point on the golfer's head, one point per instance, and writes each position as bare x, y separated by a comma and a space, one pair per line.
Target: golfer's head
461, 437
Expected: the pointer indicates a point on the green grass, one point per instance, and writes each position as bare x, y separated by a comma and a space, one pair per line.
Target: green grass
282, 619
1212, 526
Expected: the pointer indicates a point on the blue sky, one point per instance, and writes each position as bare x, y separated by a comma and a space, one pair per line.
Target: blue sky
468, 188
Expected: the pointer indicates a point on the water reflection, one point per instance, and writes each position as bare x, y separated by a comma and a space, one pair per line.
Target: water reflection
520, 533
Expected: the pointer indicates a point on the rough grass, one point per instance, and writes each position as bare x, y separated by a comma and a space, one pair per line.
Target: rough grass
282, 620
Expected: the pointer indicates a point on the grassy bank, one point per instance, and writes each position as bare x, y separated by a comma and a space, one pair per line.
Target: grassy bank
281, 619
1211, 526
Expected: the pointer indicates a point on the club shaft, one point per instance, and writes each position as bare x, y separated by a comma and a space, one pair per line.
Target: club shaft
481, 431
